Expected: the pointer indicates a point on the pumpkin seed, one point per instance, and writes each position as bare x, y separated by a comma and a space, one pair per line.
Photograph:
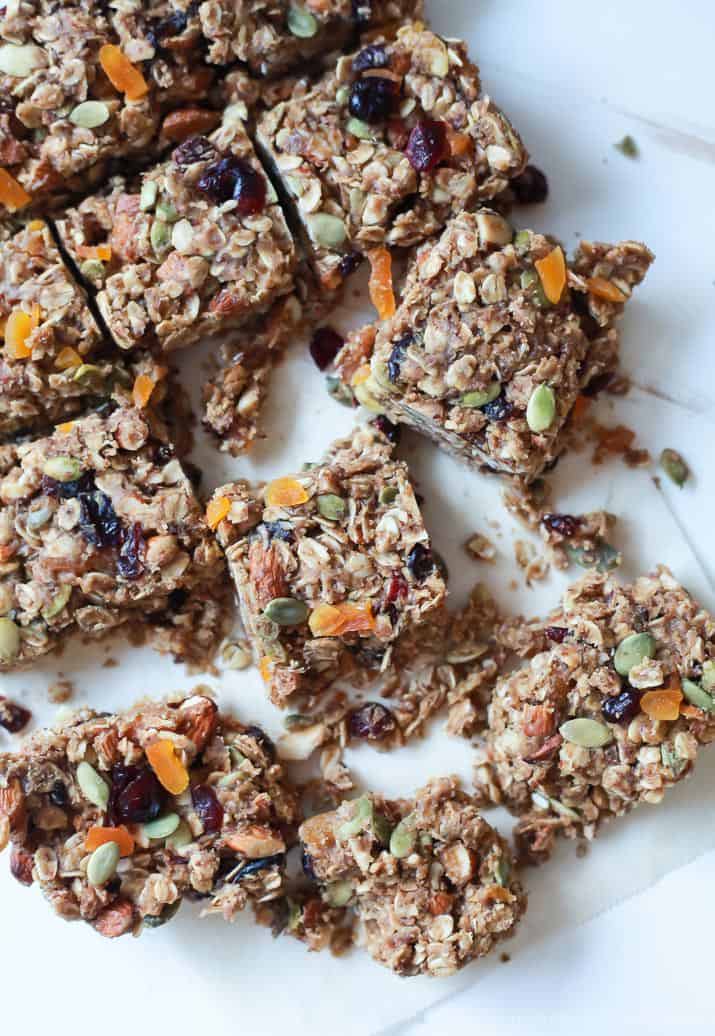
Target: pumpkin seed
147, 196
603, 557
361, 818
286, 611
522, 241
359, 129
326, 230
364, 396
88, 373
20, 60
92, 269
160, 235
9, 640
338, 893
675, 467
502, 871
541, 409
62, 469
162, 827
182, 836
588, 733
331, 506
94, 788
89, 114
697, 696
708, 678
301, 23
530, 279
166, 211
157, 920
340, 392
669, 757
58, 603
402, 839
388, 495
481, 398
103, 864
632, 651
381, 828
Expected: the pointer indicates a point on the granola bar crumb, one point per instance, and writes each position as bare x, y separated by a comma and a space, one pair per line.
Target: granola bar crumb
60, 691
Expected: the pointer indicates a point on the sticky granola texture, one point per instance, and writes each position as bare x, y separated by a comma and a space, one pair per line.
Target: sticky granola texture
428, 879
647, 723
231, 824
352, 559
98, 524
475, 336
387, 147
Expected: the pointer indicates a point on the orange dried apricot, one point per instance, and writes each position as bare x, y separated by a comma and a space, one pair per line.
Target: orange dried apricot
265, 668
662, 704
121, 73
361, 375
217, 510
101, 252
18, 329
459, 143
97, 836
285, 492
605, 289
335, 620
552, 274
12, 194
168, 767
66, 427
36, 224
381, 292
67, 358
142, 390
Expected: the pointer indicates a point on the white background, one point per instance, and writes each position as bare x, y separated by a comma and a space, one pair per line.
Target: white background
575, 78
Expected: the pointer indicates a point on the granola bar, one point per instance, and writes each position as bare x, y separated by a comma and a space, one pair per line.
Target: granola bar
98, 524
118, 818
330, 565
428, 878
608, 714
387, 147
199, 246
496, 337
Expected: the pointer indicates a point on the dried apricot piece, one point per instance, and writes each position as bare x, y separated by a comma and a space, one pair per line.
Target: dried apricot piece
18, 329
361, 375
217, 510
142, 390
265, 668
167, 766
381, 291
66, 427
459, 143
552, 274
285, 492
335, 620
97, 836
325, 621
12, 194
662, 704
121, 73
101, 252
605, 289
67, 358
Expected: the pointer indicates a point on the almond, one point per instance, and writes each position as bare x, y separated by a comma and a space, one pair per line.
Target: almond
266, 574
459, 863
115, 920
189, 122
197, 720
12, 804
255, 842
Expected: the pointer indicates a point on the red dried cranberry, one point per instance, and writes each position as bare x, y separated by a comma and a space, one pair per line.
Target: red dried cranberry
195, 149
325, 346
556, 633
208, 807
622, 707
531, 187
374, 56
398, 588
233, 178
392, 432
566, 525
372, 722
13, 717
500, 409
420, 562
21, 864
427, 146
373, 99
136, 796
130, 564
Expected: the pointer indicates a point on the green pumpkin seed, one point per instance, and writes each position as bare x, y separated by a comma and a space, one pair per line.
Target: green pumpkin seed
62, 469
339, 391
522, 241
588, 733
160, 235
286, 611
92, 270
632, 651
402, 839
342, 95
102, 864
381, 828
502, 871
20, 60
301, 23
326, 230
162, 827
697, 696
237, 758
361, 818
675, 467
89, 114
331, 506
541, 409
147, 196
166, 211
182, 836
388, 495
531, 280
359, 129
157, 920
338, 893
9, 640
603, 557
94, 788
669, 757
88, 374
58, 603
708, 678
481, 398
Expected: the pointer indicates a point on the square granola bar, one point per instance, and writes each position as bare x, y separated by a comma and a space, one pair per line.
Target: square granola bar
117, 818
608, 714
495, 338
387, 147
330, 565
197, 246
98, 524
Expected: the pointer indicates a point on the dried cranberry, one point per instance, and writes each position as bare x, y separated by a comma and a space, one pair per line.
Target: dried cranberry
177, 598
531, 187
278, 531
556, 633
566, 525
98, 521
233, 178
372, 722
254, 866
373, 99
427, 146
164, 453
208, 807
68, 490
58, 794
263, 740
21, 864
325, 346
136, 795
392, 432
307, 865
374, 56
195, 149
420, 562
165, 28
500, 409
13, 717
622, 707
349, 264
396, 356
398, 588
130, 564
